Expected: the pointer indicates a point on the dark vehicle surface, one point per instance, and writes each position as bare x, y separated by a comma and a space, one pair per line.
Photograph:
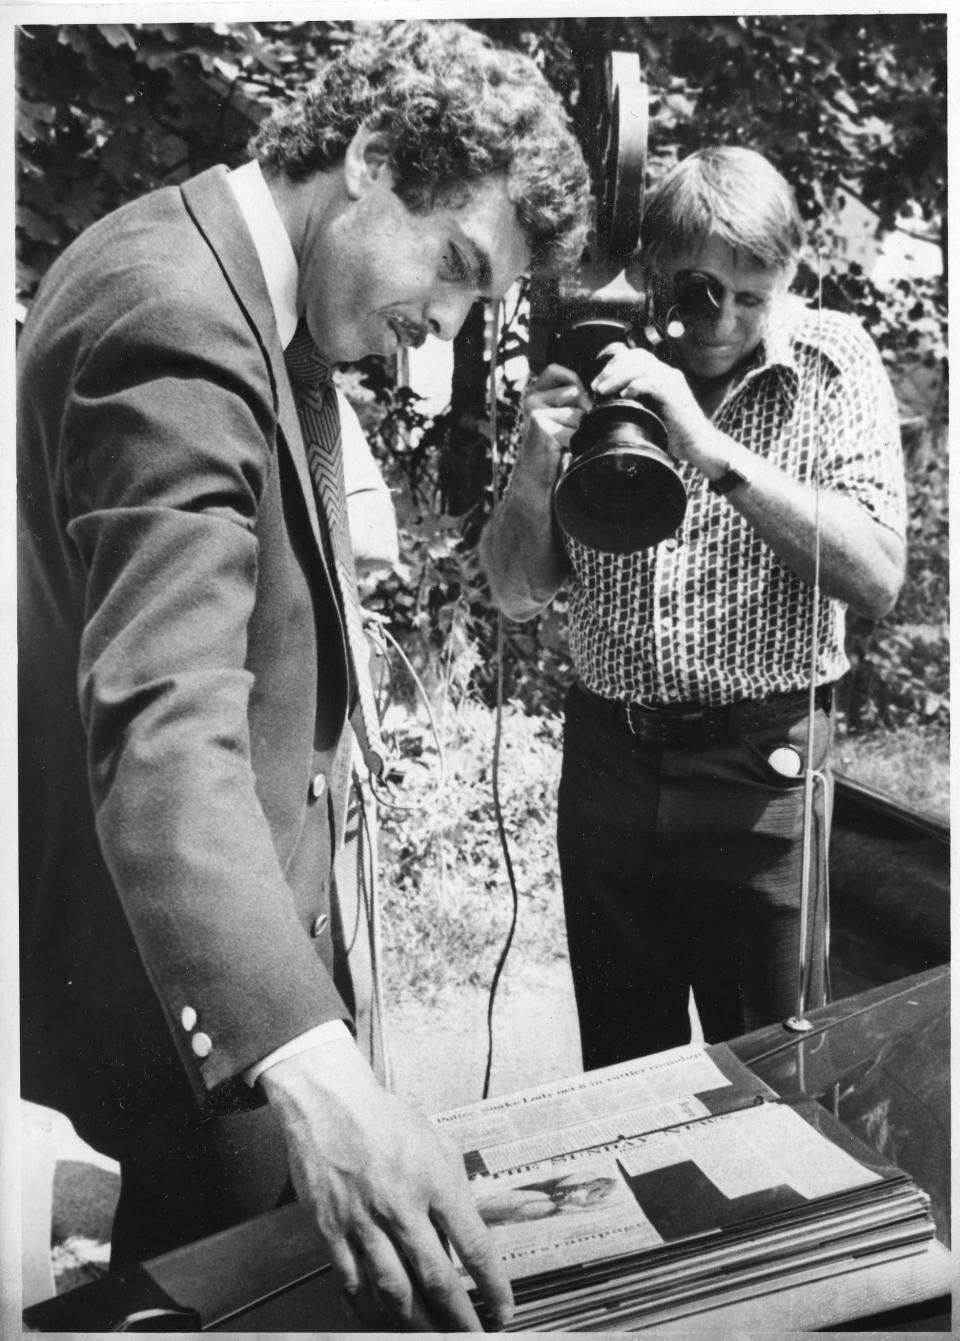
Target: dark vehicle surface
878, 1055
889, 890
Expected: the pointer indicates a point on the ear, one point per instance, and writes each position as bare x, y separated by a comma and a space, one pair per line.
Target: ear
366, 160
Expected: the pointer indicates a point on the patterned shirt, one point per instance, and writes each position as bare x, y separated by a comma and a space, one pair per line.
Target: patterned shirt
711, 615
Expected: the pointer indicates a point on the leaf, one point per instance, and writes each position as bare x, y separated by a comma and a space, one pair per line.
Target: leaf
251, 43
117, 35
82, 205
121, 155
843, 99
30, 115
42, 230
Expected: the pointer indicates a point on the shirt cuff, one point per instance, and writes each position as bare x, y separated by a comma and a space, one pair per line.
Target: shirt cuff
316, 1037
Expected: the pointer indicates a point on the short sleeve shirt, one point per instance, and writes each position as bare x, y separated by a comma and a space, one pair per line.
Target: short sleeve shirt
711, 615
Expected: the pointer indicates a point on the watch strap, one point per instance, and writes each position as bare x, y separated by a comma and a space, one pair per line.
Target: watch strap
727, 481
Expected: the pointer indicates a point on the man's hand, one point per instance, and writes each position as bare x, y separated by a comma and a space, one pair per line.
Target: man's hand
520, 549
384, 1190
691, 436
552, 409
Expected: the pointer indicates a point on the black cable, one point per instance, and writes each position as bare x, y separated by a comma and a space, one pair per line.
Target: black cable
501, 830
498, 726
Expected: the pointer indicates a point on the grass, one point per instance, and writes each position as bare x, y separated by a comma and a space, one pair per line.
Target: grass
446, 898
446, 901
913, 764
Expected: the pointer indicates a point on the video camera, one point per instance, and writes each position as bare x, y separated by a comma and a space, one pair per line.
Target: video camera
621, 491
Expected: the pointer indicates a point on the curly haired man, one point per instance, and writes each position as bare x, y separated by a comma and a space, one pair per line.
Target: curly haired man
188, 680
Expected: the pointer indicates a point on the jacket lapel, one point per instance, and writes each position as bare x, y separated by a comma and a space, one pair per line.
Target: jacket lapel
213, 208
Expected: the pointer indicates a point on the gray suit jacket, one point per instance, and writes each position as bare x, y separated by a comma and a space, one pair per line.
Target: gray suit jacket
183, 673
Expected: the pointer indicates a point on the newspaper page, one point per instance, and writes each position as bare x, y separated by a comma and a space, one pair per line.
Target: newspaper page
688, 1181
599, 1107
712, 1176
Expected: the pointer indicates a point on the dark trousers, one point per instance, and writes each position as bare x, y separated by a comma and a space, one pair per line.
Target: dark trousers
681, 867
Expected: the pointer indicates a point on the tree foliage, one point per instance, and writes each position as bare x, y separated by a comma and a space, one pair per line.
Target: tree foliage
832, 99
108, 111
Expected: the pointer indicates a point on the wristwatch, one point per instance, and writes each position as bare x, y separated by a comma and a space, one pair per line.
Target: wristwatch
730, 478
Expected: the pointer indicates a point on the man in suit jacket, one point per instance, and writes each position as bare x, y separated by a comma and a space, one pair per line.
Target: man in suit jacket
185, 679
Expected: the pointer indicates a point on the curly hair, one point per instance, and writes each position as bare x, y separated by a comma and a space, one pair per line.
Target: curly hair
726, 192
453, 109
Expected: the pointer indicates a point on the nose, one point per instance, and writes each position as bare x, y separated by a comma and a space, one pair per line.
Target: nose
725, 320
445, 313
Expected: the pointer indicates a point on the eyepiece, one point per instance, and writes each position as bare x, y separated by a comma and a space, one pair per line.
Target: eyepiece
697, 295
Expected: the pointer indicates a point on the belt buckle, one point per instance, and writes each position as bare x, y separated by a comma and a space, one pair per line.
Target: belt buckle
694, 727
648, 725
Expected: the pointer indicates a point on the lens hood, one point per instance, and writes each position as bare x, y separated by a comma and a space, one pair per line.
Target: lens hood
621, 491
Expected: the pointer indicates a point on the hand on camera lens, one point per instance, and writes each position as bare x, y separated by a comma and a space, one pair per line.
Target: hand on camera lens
635, 374
553, 407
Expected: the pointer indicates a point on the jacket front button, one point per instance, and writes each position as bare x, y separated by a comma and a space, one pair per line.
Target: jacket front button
188, 1018
317, 784
202, 1045
319, 923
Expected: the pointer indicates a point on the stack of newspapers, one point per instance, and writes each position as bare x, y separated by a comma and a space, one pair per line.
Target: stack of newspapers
655, 1190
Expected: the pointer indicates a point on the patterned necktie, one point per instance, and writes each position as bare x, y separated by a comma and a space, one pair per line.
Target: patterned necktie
320, 425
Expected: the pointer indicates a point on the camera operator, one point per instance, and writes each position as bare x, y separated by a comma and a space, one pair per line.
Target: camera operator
680, 815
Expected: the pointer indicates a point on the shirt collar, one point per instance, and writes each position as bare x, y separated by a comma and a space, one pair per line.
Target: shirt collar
272, 244
777, 350
778, 341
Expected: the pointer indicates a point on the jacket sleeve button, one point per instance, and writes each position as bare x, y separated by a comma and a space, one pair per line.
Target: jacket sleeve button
202, 1045
188, 1018
319, 925
317, 784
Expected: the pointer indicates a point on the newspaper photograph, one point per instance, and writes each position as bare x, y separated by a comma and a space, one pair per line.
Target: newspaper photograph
563, 1214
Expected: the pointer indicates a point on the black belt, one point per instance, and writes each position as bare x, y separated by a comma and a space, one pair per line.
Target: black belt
693, 724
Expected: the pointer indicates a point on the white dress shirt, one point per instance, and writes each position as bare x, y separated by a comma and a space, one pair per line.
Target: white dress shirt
279, 266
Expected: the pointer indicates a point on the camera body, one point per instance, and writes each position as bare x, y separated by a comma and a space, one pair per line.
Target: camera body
620, 490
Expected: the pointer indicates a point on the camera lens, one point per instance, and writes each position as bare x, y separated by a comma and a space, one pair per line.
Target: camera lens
620, 492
